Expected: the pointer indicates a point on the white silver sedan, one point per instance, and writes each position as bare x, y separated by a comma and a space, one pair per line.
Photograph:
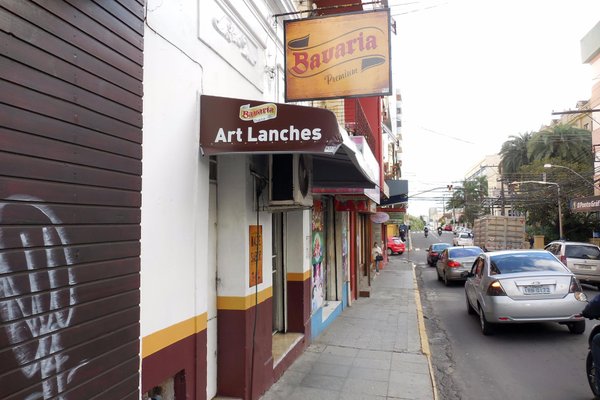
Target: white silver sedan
463, 239
519, 286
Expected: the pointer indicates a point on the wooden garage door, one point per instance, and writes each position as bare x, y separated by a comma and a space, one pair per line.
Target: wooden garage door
70, 196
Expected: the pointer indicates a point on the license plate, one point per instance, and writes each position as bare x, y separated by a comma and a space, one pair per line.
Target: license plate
536, 290
583, 266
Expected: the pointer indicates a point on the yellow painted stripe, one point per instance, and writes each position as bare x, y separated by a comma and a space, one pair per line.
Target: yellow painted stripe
165, 337
423, 333
243, 303
298, 276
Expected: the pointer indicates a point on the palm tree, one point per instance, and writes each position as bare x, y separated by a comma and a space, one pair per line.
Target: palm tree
514, 153
563, 142
469, 197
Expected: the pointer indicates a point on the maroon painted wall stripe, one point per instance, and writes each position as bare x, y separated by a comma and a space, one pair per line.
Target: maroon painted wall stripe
187, 356
235, 344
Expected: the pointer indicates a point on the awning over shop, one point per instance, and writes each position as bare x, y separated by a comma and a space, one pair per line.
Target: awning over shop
353, 166
396, 215
230, 125
398, 191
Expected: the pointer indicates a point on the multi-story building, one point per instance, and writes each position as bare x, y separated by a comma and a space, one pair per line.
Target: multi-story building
581, 118
590, 54
488, 168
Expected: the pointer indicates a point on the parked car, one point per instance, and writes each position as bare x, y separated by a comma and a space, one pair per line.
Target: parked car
433, 252
453, 261
395, 245
448, 228
519, 286
583, 259
458, 229
463, 239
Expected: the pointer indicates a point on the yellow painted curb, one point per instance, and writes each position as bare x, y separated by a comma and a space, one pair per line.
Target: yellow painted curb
423, 333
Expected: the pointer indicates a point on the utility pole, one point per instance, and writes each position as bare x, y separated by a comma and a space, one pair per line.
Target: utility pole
502, 212
453, 205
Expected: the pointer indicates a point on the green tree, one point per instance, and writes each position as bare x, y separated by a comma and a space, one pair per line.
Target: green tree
416, 223
563, 142
514, 153
540, 202
469, 198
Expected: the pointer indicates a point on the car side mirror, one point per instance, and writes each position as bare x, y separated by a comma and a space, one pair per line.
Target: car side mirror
467, 274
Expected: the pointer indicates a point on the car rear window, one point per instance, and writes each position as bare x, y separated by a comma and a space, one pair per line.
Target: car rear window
464, 252
439, 247
582, 251
524, 262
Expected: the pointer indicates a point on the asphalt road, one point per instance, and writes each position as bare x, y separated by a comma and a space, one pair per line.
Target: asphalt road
533, 361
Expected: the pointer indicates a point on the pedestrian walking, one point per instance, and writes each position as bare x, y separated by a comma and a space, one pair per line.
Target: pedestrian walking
377, 256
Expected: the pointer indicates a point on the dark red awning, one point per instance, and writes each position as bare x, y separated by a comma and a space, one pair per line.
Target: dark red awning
248, 126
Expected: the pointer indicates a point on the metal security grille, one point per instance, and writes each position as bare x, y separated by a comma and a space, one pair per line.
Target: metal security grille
70, 197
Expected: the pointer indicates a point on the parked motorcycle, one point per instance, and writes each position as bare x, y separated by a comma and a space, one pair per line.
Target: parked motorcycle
590, 367
592, 311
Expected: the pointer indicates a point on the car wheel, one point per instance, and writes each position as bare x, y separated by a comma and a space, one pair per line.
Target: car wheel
470, 309
486, 327
390, 252
576, 328
400, 253
591, 373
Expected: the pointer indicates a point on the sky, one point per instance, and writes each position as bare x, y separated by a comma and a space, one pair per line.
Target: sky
471, 73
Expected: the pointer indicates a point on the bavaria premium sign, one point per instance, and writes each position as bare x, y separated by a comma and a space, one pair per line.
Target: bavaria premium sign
248, 126
586, 204
338, 56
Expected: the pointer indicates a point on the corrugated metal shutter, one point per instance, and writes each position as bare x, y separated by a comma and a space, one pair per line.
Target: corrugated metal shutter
70, 197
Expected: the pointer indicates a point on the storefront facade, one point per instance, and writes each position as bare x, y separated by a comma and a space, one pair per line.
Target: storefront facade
256, 251
201, 257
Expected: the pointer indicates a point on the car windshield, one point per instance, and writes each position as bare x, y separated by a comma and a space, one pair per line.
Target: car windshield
582, 251
524, 262
464, 252
439, 246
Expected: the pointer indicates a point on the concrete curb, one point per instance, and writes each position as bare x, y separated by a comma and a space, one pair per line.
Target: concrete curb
423, 333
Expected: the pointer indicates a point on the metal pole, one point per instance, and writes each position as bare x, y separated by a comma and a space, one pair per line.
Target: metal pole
573, 171
560, 226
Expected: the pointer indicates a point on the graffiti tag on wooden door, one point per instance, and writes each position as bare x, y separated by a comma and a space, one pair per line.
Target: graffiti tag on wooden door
37, 295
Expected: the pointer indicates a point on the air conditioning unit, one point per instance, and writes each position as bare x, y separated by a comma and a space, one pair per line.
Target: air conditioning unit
290, 181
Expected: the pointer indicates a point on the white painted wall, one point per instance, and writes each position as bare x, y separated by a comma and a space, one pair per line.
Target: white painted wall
235, 214
298, 241
185, 55
174, 195
217, 47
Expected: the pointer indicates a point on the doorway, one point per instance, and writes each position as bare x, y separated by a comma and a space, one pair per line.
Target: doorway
278, 271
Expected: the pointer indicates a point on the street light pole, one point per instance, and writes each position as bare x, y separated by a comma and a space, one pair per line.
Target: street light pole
573, 171
560, 225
